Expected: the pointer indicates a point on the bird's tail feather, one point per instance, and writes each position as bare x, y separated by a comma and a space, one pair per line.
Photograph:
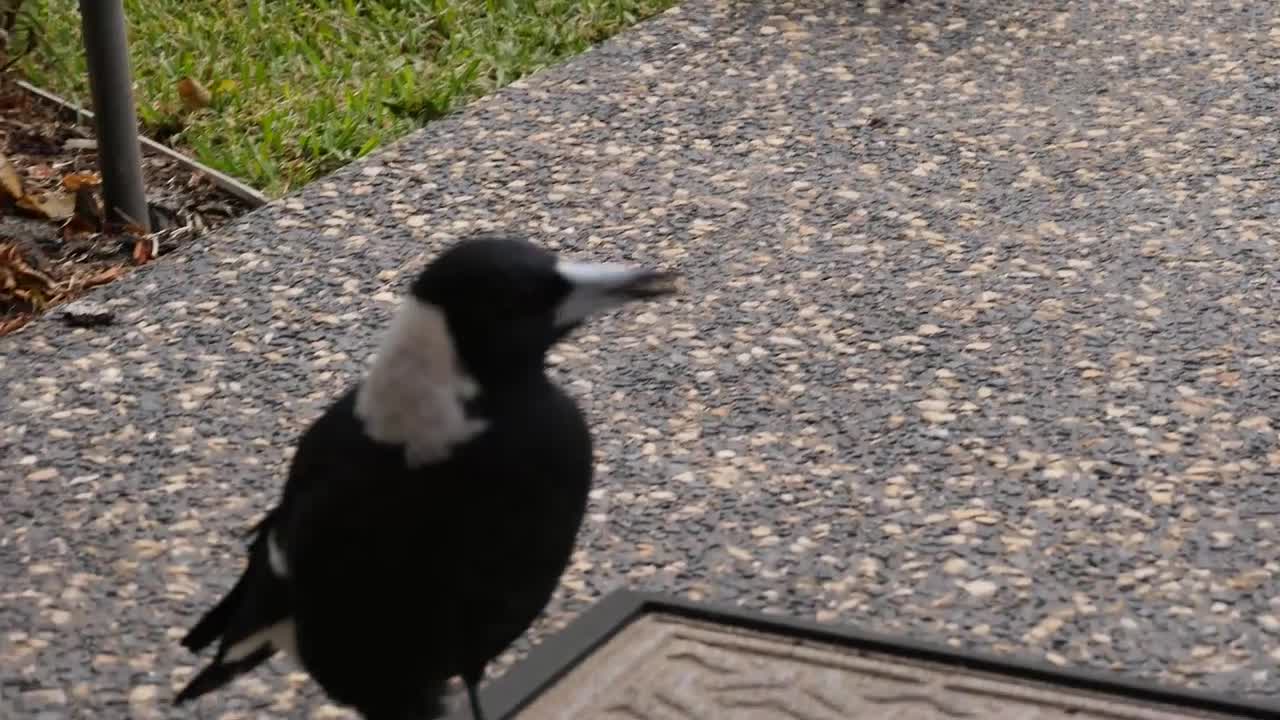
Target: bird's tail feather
217, 673
214, 623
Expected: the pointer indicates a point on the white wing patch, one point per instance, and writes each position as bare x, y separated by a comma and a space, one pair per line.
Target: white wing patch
414, 393
275, 556
281, 636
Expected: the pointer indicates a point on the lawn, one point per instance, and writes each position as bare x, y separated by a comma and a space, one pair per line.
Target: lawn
299, 88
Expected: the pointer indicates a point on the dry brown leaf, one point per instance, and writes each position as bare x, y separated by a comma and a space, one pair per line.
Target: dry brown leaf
11, 260
20, 281
54, 206
9, 180
76, 180
144, 250
11, 324
194, 95
111, 274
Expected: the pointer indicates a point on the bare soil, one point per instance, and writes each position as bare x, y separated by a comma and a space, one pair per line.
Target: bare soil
55, 243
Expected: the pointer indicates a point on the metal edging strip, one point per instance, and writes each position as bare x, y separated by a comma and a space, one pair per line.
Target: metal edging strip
250, 196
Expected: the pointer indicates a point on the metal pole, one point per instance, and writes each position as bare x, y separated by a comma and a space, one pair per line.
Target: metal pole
106, 46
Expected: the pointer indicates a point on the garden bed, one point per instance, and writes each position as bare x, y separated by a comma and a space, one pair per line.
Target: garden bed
54, 245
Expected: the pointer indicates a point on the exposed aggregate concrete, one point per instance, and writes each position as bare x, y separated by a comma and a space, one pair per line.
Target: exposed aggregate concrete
979, 346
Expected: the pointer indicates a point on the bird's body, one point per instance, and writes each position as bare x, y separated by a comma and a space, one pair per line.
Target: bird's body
427, 517
484, 581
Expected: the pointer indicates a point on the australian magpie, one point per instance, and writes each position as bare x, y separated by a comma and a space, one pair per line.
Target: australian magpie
429, 512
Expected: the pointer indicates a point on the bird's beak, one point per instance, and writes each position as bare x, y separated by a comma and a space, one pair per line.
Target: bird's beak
597, 287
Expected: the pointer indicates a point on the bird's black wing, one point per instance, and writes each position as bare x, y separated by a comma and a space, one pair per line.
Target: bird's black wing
250, 623
408, 576
372, 561
253, 620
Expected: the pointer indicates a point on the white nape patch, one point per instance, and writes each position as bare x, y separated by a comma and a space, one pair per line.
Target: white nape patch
281, 636
413, 394
592, 283
275, 556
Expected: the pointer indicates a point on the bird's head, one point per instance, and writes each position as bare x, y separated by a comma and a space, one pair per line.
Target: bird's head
506, 301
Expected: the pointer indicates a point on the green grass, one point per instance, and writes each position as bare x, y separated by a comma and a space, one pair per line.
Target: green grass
302, 87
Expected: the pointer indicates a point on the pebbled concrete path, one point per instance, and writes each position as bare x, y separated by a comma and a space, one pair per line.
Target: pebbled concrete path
982, 348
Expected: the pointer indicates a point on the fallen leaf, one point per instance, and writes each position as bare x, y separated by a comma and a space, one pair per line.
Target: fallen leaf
194, 95
19, 280
9, 180
14, 323
54, 206
76, 180
226, 86
144, 250
109, 275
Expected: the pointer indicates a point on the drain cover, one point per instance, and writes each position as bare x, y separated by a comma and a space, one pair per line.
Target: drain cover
640, 657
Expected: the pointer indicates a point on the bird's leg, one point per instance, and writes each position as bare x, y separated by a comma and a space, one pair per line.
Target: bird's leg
472, 681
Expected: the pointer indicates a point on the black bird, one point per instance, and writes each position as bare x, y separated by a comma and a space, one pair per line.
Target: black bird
429, 512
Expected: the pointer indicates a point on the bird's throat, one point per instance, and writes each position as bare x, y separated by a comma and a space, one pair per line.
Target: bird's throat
415, 393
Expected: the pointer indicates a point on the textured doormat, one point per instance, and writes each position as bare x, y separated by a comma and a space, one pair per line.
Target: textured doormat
645, 657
